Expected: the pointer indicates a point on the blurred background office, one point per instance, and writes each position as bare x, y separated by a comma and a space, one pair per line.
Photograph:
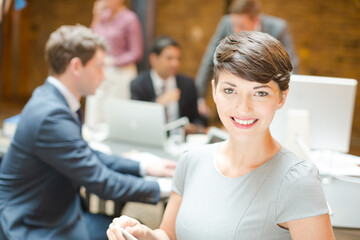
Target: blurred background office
326, 35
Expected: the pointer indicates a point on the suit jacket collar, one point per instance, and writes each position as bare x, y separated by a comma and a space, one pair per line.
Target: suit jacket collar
56, 92
61, 99
71, 100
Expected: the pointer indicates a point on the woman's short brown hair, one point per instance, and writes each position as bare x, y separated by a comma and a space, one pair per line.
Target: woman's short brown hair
253, 56
68, 42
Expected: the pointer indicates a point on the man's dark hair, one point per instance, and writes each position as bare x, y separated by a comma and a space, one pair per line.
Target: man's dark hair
253, 56
161, 43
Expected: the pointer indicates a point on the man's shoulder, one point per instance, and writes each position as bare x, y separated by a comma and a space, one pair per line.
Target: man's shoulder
272, 19
185, 82
43, 101
44, 104
185, 78
272, 22
47, 94
142, 76
226, 18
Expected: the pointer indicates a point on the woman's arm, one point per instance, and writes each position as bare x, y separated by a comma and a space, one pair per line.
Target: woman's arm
168, 222
312, 228
142, 232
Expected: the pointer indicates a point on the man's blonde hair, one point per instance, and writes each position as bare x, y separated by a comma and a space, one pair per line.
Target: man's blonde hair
68, 42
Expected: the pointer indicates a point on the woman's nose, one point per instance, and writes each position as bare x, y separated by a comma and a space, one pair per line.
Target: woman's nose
244, 105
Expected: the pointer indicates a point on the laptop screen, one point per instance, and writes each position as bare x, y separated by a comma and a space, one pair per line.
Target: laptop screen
136, 122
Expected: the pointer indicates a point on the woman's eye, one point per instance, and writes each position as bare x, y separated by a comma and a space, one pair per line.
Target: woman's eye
229, 90
261, 94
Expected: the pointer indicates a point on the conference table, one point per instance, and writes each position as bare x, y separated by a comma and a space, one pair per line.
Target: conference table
112, 208
172, 150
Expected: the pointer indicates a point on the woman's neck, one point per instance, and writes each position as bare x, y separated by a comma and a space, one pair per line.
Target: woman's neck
236, 158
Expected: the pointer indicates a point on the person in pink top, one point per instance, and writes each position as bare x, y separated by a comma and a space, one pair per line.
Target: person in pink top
122, 31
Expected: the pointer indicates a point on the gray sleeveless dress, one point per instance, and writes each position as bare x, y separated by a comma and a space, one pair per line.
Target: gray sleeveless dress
248, 207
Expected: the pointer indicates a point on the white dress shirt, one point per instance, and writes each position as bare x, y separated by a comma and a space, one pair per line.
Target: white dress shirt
170, 84
71, 100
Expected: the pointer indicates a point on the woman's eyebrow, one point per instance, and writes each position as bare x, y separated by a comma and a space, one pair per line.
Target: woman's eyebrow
262, 86
229, 83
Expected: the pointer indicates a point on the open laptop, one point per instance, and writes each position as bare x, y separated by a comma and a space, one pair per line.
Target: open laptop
136, 122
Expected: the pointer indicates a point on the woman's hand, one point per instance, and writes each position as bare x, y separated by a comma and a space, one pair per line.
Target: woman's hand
131, 225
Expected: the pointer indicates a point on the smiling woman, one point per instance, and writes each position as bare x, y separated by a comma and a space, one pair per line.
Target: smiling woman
260, 189
249, 88
242, 104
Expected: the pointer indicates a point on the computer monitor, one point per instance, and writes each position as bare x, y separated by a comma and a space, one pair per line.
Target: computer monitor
324, 105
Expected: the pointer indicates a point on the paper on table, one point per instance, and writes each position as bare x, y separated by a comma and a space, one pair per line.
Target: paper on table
336, 163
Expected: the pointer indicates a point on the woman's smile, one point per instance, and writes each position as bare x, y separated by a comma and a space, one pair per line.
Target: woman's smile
244, 123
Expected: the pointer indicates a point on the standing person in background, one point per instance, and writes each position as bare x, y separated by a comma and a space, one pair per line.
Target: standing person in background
244, 16
122, 31
249, 186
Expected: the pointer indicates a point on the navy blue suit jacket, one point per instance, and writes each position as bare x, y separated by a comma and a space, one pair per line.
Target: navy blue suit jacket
47, 162
142, 89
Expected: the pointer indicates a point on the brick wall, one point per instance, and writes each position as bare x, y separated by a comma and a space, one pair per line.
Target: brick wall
37, 21
326, 34
45, 17
191, 23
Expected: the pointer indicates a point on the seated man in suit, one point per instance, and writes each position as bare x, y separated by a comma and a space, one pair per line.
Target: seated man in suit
48, 160
164, 85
